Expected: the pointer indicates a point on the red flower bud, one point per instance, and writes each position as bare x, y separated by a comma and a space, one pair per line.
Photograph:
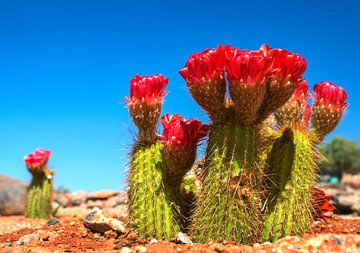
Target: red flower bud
146, 96
247, 67
181, 138
147, 89
204, 67
179, 132
329, 95
284, 77
286, 65
204, 75
36, 161
329, 106
246, 72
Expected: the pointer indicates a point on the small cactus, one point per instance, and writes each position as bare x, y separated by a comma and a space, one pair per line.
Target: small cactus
40, 190
156, 173
291, 167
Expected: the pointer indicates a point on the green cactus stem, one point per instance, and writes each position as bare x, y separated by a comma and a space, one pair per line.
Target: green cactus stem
39, 194
291, 176
228, 206
153, 194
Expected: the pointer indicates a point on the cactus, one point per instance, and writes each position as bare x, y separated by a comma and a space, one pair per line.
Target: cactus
156, 173
291, 167
229, 203
39, 193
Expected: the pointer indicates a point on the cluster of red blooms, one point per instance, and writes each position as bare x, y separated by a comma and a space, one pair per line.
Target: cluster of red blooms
182, 133
38, 159
249, 67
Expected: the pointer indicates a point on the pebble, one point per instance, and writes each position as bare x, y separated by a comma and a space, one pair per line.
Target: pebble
140, 249
96, 221
52, 222
182, 238
125, 250
154, 240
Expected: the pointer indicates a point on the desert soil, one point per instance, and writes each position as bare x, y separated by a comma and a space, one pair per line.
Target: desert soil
18, 234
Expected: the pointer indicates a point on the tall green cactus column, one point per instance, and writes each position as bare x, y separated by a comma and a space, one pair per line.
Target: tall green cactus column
40, 190
152, 206
228, 207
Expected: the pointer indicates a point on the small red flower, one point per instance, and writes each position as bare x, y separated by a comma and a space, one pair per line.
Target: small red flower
321, 203
147, 89
179, 132
286, 65
301, 92
204, 67
331, 96
37, 159
248, 67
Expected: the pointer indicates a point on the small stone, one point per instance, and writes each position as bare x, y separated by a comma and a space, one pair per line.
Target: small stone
96, 221
140, 249
182, 238
52, 222
78, 198
154, 240
125, 250
26, 239
103, 194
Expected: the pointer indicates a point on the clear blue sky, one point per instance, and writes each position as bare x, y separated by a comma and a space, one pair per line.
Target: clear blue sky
65, 66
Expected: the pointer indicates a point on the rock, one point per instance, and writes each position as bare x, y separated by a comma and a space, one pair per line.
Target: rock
119, 199
140, 249
52, 222
103, 194
153, 241
125, 250
75, 211
12, 196
118, 211
39, 235
78, 198
182, 238
96, 221
94, 203
348, 203
63, 199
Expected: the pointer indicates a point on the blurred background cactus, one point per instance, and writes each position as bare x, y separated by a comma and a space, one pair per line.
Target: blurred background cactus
40, 190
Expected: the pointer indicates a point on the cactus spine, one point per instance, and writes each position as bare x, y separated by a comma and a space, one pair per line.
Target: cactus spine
228, 206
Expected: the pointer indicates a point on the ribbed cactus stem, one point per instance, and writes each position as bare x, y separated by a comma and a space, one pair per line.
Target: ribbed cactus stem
291, 175
153, 196
39, 195
228, 204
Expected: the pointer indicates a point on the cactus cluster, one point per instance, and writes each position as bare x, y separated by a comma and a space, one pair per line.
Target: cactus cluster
256, 180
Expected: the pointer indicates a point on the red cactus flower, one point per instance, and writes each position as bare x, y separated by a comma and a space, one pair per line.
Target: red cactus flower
37, 159
248, 67
301, 92
147, 89
331, 96
204, 67
286, 65
179, 132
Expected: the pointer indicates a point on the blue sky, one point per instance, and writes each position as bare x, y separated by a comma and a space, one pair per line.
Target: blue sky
66, 65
